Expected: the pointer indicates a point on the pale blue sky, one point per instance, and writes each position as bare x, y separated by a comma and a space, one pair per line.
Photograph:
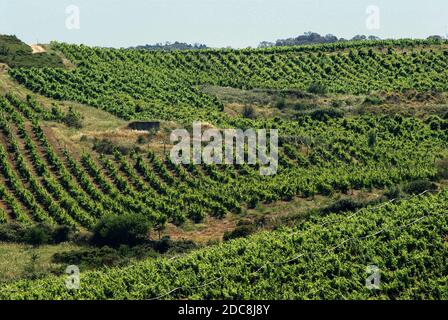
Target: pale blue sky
218, 23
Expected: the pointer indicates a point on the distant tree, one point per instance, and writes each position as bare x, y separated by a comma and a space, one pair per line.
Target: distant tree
359, 37
312, 38
266, 44
168, 46
435, 37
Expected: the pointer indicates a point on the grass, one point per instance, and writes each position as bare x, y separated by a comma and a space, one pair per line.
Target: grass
274, 215
15, 53
15, 260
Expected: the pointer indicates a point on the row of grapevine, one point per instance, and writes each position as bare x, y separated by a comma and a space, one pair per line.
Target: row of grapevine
43, 183
325, 257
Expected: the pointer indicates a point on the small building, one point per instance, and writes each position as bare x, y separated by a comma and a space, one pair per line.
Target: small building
144, 125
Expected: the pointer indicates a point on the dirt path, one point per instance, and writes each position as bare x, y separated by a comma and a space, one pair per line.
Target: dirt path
37, 48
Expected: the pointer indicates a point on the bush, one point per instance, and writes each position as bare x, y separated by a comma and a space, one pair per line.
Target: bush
325, 114
317, 88
394, 192
249, 112
104, 146
419, 186
127, 229
280, 103
442, 169
88, 258
372, 139
102, 257
239, 232
337, 103
35, 234
196, 214
343, 205
350, 205
73, 119
141, 140
373, 100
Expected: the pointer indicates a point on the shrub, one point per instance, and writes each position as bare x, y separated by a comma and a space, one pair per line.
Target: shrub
117, 230
100, 257
372, 139
239, 232
442, 169
196, 214
56, 113
325, 114
317, 88
373, 100
12, 232
103, 146
35, 234
419, 186
73, 119
141, 139
88, 258
343, 205
394, 192
249, 112
252, 204
337, 103
280, 103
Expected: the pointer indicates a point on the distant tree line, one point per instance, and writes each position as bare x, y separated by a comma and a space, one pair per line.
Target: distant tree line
312, 38
315, 38
168, 46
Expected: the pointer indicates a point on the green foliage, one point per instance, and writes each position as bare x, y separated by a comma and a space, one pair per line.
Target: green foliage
373, 100
343, 205
317, 88
326, 114
249, 112
324, 257
419, 186
91, 258
239, 232
15, 53
324, 157
121, 230
442, 169
36, 235
104, 146
73, 119
129, 90
372, 139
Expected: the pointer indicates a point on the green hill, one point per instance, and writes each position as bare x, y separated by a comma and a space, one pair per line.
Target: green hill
336, 144
16, 53
323, 258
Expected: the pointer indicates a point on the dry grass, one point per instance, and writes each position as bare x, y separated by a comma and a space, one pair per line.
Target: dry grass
15, 258
274, 214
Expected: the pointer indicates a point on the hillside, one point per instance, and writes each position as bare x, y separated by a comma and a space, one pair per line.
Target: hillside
324, 258
166, 85
15, 53
362, 170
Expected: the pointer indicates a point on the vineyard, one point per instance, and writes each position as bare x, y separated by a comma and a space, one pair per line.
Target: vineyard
45, 184
166, 85
323, 258
323, 255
